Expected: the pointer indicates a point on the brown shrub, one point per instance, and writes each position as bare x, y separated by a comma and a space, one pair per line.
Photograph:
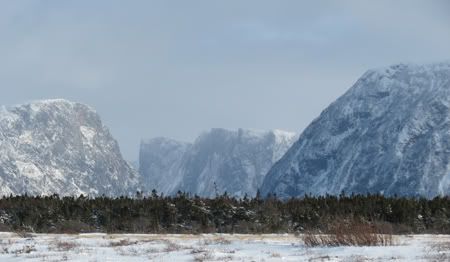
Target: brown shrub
274, 254
312, 239
351, 233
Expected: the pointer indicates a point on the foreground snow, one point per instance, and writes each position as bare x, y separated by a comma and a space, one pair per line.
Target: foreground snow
124, 247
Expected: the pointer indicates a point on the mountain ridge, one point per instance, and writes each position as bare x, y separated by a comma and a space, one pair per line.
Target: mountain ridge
218, 160
58, 146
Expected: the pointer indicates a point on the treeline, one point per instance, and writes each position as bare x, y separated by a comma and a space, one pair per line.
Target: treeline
192, 214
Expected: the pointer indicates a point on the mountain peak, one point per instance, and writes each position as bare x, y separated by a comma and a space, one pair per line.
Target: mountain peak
388, 134
406, 71
160, 141
58, 104
58, 146
412, 67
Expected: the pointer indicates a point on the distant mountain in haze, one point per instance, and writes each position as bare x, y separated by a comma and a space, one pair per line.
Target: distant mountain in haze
219, 160
57, 146
389, 134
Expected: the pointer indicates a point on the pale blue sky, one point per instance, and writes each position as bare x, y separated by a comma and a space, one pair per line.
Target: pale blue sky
176, 68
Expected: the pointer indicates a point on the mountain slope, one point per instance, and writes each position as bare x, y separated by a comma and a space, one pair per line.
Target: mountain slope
218, 161
57, 146
160, 163
390, 134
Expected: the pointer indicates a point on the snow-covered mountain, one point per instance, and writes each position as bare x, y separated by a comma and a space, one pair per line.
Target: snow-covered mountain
390, 133
57, 146
160, 162
219, 160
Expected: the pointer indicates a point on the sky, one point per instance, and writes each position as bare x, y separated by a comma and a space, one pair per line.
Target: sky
178, 68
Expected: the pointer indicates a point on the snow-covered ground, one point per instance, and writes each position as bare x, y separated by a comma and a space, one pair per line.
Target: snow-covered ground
212, 247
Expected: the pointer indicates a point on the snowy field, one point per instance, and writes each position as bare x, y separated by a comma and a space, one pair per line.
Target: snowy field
215, 247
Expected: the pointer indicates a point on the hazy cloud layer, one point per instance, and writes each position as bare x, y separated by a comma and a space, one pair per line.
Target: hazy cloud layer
175, 68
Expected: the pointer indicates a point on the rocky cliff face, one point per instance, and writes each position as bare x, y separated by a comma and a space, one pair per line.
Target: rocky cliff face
57, 146
389, 134
218, 161
160, 162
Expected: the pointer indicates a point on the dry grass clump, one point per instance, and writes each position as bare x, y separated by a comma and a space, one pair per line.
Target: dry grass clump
4, 250
358, 258
350, 233
198, 250
4, 247
203, 257
64, 246
214, 241
24, 250
127, 251
122, 242
275, 255
224, 258
172, 247
23, 234
222, 241
204, 242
